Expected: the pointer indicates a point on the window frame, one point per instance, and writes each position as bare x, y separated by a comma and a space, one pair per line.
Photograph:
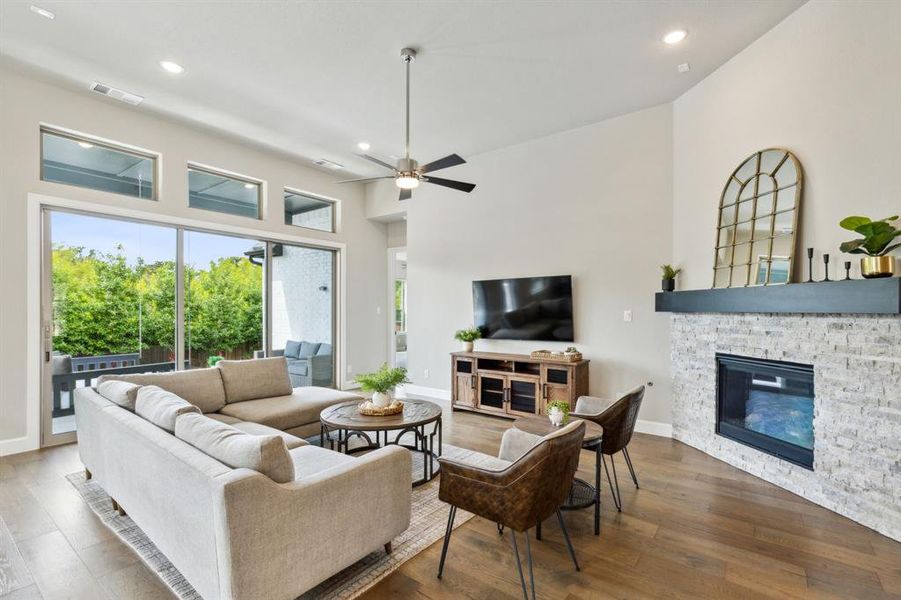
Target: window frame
202, 168
335, 204
78, 136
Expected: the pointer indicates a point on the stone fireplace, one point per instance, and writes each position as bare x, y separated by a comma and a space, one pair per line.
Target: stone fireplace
854, 408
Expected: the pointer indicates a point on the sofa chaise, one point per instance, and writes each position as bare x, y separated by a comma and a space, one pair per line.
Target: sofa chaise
212, 466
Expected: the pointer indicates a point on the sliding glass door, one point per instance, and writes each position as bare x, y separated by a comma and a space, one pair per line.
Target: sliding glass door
303, 312
125, 296
109, 304
223, 298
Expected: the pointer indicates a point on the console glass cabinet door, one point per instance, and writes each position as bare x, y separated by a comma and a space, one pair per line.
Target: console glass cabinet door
522, 395
465, 384
492, 393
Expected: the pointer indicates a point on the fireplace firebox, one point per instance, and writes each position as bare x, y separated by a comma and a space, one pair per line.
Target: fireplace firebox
767, 405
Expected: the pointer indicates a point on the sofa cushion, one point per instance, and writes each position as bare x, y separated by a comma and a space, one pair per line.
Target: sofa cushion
160, 407
266, 454
324, 350
307, 349
298, 367
309, 460
292, 349
201, 387
256, 378
122, 393
286, 412
291, 441
224, 418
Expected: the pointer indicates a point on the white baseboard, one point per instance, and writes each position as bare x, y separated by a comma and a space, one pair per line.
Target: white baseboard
18, 445
654, 428
421, 390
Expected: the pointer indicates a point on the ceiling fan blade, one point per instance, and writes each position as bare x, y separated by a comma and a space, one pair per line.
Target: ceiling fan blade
457, 185
451, 160
366, 179
376, 161
405, 194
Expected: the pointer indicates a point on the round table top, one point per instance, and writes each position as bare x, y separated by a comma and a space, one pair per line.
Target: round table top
541, 425
347, 416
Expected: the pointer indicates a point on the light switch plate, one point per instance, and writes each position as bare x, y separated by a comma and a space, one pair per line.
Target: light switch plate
627, 316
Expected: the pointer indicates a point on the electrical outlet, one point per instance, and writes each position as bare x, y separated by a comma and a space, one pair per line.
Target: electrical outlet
425, 374
627, 316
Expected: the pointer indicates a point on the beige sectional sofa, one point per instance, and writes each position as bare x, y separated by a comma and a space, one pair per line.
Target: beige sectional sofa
184, 454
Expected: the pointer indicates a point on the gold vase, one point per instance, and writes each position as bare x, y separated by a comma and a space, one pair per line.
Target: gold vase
872, 267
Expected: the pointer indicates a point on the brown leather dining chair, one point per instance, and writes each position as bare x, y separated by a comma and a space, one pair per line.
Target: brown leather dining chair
618, 421
528, 484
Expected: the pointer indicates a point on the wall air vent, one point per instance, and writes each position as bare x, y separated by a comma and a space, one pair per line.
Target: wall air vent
116, 93
328, 164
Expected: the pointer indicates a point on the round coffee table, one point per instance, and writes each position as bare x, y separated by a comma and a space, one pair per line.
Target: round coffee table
582, 494
346, 422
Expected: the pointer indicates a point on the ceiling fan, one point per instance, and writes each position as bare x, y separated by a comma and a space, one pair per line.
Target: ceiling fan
408, 173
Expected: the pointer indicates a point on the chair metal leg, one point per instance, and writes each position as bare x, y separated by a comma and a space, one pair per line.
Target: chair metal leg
529, 556
447, 534
537, 531
610, 481
569, 544
631, 470
522, 579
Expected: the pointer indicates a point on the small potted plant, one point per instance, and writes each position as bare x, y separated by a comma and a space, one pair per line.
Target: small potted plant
381, 383
876, 243
570, 351
558, 412
468, 336
669, 277
214, 360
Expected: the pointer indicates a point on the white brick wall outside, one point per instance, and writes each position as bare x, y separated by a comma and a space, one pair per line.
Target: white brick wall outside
301, 311
857, 404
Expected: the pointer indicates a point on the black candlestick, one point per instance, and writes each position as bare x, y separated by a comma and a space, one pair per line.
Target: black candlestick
847, 270
810, 265
826, 262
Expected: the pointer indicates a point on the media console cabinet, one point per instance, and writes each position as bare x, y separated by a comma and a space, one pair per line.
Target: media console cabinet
514, 385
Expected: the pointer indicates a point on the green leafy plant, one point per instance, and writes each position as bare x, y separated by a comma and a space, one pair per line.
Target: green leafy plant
572, 349
669, 272
563, 406
877, 235
214, 360
383, 380
468, 335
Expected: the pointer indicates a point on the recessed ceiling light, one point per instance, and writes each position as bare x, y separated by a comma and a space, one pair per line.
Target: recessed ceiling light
42, 11
172, 67
86, 144
364, 146
249, 186
683, 68
674, 37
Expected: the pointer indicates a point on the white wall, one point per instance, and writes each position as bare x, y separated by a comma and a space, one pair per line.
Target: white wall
397, 234
593, 202
26, 101
826, 84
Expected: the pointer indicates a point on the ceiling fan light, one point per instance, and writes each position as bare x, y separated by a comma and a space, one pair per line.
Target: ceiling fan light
407, 182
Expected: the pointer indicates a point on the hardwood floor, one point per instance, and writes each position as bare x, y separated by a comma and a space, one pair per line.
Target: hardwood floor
697, 528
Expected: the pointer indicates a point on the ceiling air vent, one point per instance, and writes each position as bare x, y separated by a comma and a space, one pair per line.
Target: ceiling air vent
328, 164
116, 93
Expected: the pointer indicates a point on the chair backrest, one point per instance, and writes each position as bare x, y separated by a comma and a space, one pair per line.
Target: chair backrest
545, 477
619, 420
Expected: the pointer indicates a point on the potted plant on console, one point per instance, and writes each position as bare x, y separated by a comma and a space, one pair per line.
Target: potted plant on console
669, 277
381, 383
558, 412
876, 243
468, 336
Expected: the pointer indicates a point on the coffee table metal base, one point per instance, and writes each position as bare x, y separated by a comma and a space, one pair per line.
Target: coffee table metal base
423, 443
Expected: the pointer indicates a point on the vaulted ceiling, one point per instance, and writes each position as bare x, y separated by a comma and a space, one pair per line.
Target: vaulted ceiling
312, 79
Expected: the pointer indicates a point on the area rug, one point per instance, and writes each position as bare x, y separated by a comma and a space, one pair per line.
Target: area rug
427, 525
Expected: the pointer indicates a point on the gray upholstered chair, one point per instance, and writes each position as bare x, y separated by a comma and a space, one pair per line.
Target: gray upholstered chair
309, 363
618, 421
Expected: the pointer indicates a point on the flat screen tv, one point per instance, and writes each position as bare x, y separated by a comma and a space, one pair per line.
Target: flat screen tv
526, 308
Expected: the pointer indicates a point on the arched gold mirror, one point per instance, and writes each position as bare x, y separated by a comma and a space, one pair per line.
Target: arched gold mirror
758, 218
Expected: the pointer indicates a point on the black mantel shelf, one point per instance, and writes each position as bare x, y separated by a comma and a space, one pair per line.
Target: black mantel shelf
858, 296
